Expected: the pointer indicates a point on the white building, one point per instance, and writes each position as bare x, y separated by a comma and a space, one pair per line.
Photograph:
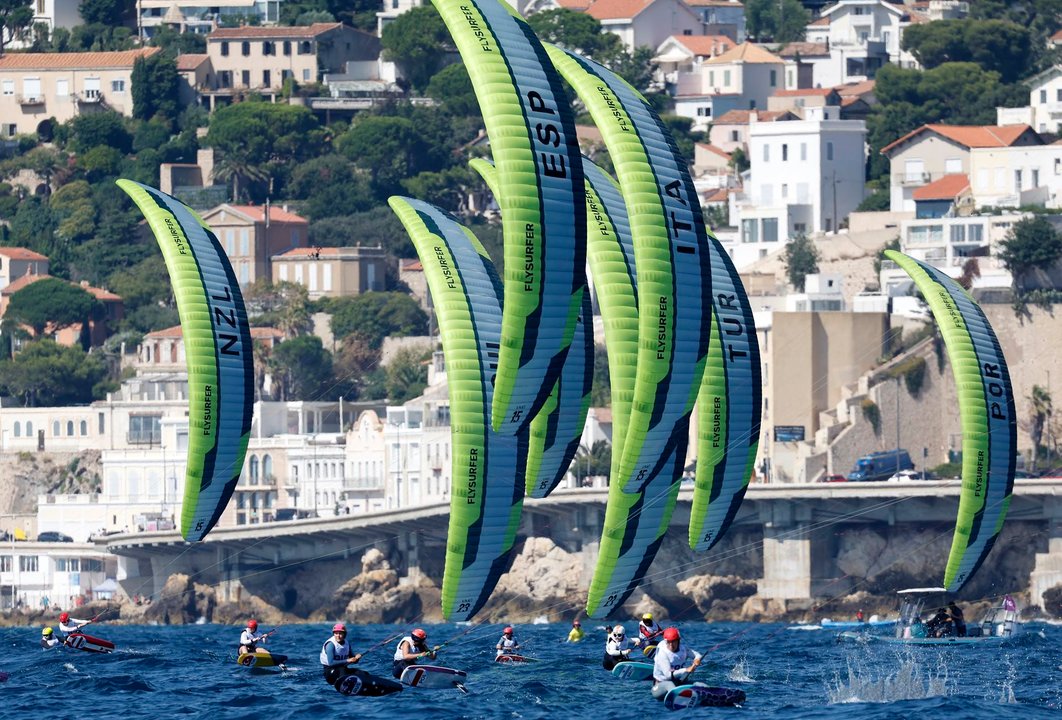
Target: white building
1044, 111
806, 176
50, 13
1015, 176
56, 575
722, 17
861, 36
646, 23
198, 16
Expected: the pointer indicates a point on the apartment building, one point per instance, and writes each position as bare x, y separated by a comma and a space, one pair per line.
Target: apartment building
197, 16
930, 152
861, 36
49, 14
1044, 111
252, 235
646, 23
38, 90
16, 262
721, 17
98, 328
260, 59
332, 272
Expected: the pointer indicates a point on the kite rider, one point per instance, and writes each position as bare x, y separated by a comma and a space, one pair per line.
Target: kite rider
410, 649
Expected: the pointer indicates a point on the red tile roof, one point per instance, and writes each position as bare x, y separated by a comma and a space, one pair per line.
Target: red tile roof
576, 5
1057, 37
190, 61
714, 149
99, 293
411, 265
706, 45
741, 117
170, 332
74, 61
714, 3
258, 333
19, 253
746, 52
276, 214
717, 196
971, 136
283, 31
819, 22
947, 188
804, 92
859, 88
617, 9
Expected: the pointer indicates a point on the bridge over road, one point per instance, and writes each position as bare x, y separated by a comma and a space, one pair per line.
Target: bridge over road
795, 531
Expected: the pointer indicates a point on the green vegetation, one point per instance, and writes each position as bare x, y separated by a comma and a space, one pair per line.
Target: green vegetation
871, 414
801, 260
913, 372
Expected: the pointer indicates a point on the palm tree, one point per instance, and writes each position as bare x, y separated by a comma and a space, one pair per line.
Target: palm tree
234, 166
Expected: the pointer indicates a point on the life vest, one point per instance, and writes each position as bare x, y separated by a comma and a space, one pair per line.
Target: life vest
414, 647
341, 652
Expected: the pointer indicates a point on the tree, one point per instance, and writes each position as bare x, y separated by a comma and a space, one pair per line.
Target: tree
47, 374
175, 43
780, 21
283, 305
452, 88
15, 18
387, 148
593, 463
417, 41
1033, 243
376, 227
51, 304
302, 368
1041, 407
356, 367
103, 12
376, 315
407, 375
600, 387
97, 129
33, 227
73, 207
995, 45
801, 260
576, 31
331, 185
155, 87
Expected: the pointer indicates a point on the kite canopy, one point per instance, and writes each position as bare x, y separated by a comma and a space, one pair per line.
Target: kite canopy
217, 346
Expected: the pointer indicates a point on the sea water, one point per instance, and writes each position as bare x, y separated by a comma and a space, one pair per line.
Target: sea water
190, 672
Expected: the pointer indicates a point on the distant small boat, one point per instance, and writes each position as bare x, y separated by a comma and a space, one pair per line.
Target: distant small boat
999, 625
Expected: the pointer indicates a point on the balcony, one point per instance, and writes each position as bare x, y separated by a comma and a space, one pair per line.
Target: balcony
364, 484
26, 100
89, 96
912, 179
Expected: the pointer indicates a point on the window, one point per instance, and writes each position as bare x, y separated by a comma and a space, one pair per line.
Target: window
118, 87
84, 428
770, 229
101, 424
785, 190
306, 74
55, 428
27, 563
953, 166
1043, 96
726, 78
957, 233
803, 152
224, 49
975, 233
286, 47
711, 78
829, 151
245, 241
67, 565
7, 87
69, 428
91, 565
269, 48
245, 48
267, 79
305, 47
774, 78
31, 87
245, 78
145, 428
1058, 94
5, 563
8, 130
800, 228
62, 88
40, 7
785, 152
29, 429
1036, 178
766, 152
750, 230
734, 136
18, 429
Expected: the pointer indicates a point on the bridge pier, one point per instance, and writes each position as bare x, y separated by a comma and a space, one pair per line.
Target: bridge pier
1047, 567
229, 586
799, 558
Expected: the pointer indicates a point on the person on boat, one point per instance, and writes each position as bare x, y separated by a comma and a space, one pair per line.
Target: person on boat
507, 645
410, 649
336, 655
648, 629
859, 615
672, 664
618, 648
957, 619
69, 625
576, 633
48, 638
1009, 605
939, 625
250, 638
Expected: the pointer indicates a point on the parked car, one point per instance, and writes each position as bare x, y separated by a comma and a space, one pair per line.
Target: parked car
835, 478
906, 476
52, 536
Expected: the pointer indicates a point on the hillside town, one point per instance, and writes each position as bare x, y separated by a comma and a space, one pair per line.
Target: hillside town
818, 135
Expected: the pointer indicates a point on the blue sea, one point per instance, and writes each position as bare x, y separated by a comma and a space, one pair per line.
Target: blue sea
190, 672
